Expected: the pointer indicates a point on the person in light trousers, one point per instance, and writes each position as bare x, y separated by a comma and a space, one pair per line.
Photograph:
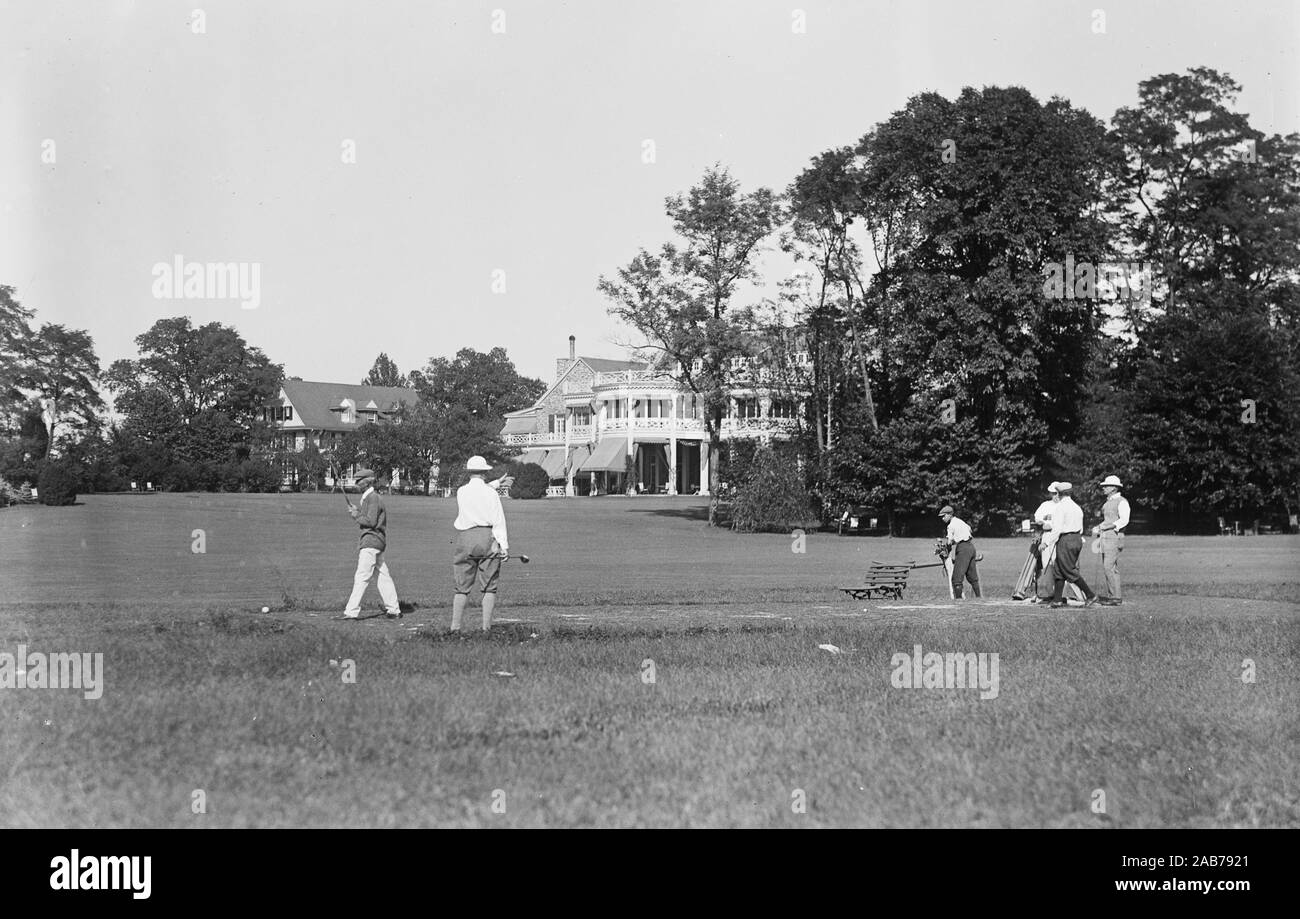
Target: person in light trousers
371, 515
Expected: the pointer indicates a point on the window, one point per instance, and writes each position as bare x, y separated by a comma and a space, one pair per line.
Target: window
582, 416
747, 408
556, 424
279, 413
784, 408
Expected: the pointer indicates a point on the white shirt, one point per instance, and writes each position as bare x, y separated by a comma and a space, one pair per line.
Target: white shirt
480, 506
958, 531
1068, 517
1043, 515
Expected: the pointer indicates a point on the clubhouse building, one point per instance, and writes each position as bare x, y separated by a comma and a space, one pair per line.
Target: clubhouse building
618, 427
320, 414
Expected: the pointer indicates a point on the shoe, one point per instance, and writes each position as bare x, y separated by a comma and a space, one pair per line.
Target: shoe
391, 616
1057, 604
347, 616
1091, 601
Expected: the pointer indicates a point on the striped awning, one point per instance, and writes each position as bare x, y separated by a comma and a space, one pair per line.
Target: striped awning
609, 456
523, 425
533, 456
554, 464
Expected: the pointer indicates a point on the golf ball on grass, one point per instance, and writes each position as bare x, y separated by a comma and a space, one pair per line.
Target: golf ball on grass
266, 609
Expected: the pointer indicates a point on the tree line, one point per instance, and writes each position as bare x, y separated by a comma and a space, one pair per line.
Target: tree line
188, 411
996, 292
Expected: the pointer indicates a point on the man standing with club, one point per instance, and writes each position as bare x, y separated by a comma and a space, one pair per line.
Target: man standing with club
1067, 524
480, 543
963, 553
1114, 517
371, 515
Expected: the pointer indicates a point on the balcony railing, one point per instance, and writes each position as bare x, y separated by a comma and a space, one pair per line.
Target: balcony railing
581, 434
656, 378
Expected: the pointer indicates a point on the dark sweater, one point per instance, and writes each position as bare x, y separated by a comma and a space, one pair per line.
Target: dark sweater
372, 517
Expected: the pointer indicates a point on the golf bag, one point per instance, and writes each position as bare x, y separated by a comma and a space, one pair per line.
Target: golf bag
1027, 582
943, 549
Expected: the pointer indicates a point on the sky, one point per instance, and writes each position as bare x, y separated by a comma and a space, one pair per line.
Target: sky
419, 177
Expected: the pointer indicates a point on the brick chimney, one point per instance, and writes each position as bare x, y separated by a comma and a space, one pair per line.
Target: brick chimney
562, 364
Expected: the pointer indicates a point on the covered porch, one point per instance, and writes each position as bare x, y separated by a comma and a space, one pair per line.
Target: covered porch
616, 467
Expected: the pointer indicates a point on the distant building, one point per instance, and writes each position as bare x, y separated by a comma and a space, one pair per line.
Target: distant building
600, 414
321, 413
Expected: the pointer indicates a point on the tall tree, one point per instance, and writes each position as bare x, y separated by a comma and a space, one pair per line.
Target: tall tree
462, 407
384, 372
63, 371
682, 302
968, 202
198, 391
14, 336
1214, 205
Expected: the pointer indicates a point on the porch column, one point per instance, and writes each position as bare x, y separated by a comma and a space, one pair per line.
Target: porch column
568, 476
631, 448
672, 449
704, 467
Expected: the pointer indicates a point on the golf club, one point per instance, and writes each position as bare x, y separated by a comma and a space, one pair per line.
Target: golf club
478, 558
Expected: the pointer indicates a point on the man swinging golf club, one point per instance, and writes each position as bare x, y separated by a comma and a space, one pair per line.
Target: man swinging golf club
480, 543
371, 515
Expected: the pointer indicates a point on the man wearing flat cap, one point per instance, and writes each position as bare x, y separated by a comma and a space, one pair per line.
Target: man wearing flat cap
963, 553
1110, 533
1067, 524
371, 515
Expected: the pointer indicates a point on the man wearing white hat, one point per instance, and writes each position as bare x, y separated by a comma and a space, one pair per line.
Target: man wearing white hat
371, 515
481, 542
1067, 525
1110, 532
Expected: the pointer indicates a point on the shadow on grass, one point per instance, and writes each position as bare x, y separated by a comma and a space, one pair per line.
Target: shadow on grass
699, 514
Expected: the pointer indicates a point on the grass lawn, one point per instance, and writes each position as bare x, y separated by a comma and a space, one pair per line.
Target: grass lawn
747, 722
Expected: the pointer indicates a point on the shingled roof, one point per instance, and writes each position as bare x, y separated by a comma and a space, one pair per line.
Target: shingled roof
601, 365
313, 401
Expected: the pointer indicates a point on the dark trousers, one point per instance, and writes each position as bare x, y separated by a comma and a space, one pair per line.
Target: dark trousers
963, 567
1068, 548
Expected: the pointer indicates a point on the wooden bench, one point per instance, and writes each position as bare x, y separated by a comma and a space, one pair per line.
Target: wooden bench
881, 582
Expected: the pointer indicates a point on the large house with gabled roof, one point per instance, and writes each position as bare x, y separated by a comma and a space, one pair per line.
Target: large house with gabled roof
610, 427
306, 412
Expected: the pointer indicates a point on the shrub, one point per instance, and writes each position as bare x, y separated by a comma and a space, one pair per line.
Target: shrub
57, 484
258, 475
530, 480
178, 476
770, 497
8, 493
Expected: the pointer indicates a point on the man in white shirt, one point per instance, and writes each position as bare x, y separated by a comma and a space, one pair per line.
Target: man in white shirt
1114, 517
1067, 527
963, 553
480, 543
